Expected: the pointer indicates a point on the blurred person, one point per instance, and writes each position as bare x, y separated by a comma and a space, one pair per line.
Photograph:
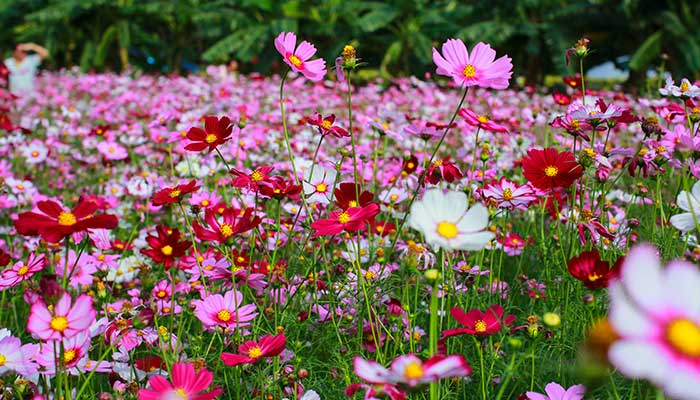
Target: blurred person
23, 66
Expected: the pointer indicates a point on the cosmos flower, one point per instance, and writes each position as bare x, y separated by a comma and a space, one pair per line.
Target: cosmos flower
690, 203
61, 320
297, 57
508, 195
555, 391
252, 181
477, 322
446, 223
327, 125
54, 223
351, 220
410, 371
548, 169
482, 121
592, 271
318, 185
21, 271
233, 221
174, 194
475, 69
15, 357
685, 90
166, 247
225, 311
250, 352
185, 384
216, 131
656, 313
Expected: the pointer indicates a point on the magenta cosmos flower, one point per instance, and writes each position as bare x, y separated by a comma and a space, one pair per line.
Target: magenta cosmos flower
22, 271
475, 69
297, 57
411, 371
656, 313
555, 391
186, 384
225, 311
63, 321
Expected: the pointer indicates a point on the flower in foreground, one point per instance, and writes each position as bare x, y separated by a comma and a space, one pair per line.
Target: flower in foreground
690, 203
656, 313
410, 371
297, 57
548, 169
446, 223
186, 384
554, 391
250, 352
475, 69
55, 223
166, 246
477, 322
61, 321
216, 131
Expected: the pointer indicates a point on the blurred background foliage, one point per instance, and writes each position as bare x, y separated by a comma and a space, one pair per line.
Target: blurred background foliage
394, 37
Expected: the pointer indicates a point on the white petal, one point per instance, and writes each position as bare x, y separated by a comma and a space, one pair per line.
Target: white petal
626, 318
683, 222
639, 359
643, 279
476, 219
683, 288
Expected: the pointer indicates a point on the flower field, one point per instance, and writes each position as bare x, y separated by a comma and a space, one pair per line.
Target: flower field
305, 237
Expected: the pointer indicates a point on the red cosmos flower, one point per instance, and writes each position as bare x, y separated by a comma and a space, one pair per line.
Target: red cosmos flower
325, 125
253, 180
562, 99
572, 81
382, 228
174, 194
481, 121
443, 170
166, 246
477, 322
278, 188
250, 352
216, 131
234, 221
592, 271
346, 196
351, 220
548, 169
56, 223
4, 258
409, 165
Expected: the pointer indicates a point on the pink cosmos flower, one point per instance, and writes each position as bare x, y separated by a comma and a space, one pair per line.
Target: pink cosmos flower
555, 391
75, 351
508, 195
475, 69
298, 58
186, 384
250, 352
22, 271
16, 357
656, 313
63, 321
411, 371
112, 150
481, 121
77, 270
225, 311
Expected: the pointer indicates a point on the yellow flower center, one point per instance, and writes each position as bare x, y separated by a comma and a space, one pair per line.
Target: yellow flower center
507, 194
181, 393
483, 119
643, 151
684, 337
3, 360
369, 275
101, 257
684, 86
295, 60
448, 230
352, 203
326, 124
226, 230
344, 218
256, 176
167, 250
413, 371
551, 171
161, 293
255, 352
59, 323
23, 270
69, 356
321, 188
589, 152
175, 193
480, 326
469, 71
35, 154
223, 316
66, 219
594, 277
210, 138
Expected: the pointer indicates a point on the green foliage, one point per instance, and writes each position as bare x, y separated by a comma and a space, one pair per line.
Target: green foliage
394, 36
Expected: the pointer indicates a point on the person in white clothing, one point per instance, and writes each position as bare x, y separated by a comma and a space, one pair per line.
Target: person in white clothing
23, 66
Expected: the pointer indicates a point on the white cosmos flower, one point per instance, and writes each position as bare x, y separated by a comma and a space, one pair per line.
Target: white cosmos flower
446, 223
689, 202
